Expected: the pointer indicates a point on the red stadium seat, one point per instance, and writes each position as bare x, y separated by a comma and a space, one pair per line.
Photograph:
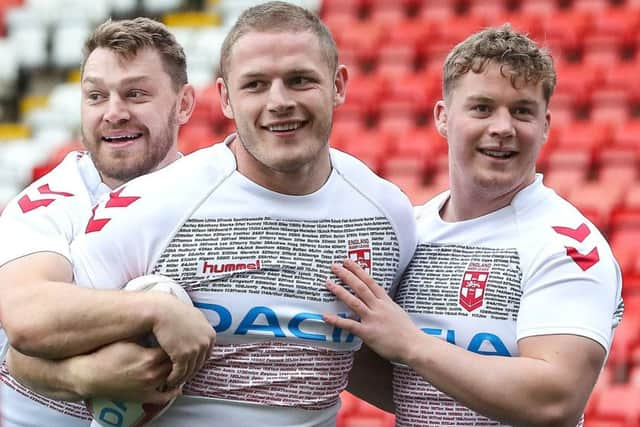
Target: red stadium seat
434, 10
395, 60
422, 142
627, 134
610, 106
397, 119
619, 403
388, 14
624, 243
538, 7
412, 32
563, 180
526, 23
568, 157
366, 90
596, 201
370, 146
363, 37
584, 136
577, 81
592, 6
422, 89
341, 6
487, 8
344, 128
563, 30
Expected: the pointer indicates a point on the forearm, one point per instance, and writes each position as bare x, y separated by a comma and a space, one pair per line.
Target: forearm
44, 315
46, 377
523, 391
58, 320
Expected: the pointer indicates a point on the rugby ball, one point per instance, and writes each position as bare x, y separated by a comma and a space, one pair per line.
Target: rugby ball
109, 413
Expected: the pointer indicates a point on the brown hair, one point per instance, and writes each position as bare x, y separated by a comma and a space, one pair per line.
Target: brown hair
519, 57
278, 16
128, 36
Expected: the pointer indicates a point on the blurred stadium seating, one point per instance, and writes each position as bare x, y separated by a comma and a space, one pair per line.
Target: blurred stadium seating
394, 49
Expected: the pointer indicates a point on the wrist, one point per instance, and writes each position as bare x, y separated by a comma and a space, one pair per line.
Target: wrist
75, 376
414, 351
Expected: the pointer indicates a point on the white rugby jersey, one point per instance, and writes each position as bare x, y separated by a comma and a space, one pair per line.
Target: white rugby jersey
535, 267
44, 218
255, 262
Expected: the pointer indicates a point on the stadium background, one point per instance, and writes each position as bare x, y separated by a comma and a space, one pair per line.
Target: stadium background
394, 49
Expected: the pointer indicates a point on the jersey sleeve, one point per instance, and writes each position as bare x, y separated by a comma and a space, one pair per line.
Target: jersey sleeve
21, 236
572, 288
41, 218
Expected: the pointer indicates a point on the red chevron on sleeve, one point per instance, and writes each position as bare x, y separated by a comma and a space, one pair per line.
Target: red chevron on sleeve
44, 189
584, 261
27, 204
115, 201
579, 234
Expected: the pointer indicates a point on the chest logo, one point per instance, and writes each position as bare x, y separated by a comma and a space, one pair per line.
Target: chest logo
473, 285
360, 252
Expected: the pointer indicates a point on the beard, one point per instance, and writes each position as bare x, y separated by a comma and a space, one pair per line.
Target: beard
124, 166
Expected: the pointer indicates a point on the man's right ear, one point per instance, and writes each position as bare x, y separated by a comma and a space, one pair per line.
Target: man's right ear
225, 103
440, 117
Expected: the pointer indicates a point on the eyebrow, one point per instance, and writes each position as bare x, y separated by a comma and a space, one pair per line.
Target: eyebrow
128, 80
295, 71
485, 99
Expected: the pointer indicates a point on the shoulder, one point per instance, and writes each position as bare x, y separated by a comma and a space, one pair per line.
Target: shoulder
364, 180
64, 182
384, 195
556, 236
544, 213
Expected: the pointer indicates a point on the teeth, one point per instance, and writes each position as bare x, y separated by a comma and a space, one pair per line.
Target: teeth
284, 127
501, 154
120, 138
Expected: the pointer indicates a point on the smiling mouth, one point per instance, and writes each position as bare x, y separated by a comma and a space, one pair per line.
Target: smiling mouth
498, 154
285, 127
121, 138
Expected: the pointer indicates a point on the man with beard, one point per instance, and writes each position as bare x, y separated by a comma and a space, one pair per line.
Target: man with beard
250, 227
69, 342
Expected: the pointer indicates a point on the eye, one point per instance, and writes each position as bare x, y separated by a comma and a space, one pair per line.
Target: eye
135, 94
523, 111
94, 96
299, 81
254, 85
481, 108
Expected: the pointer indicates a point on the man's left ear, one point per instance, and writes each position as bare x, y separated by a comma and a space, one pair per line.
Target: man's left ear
547, 124
340, 85
187, 104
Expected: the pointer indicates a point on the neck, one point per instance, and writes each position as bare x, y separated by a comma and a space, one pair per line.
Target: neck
466, 202
306, 179
114, 183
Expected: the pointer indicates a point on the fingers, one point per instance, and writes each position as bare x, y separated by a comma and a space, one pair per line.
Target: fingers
343, 323
178, 374
366, 279
360, 289
354, 303
203, 357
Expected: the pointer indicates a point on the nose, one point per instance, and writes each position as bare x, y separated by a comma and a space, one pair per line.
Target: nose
501, 125
117, 111
279, 98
